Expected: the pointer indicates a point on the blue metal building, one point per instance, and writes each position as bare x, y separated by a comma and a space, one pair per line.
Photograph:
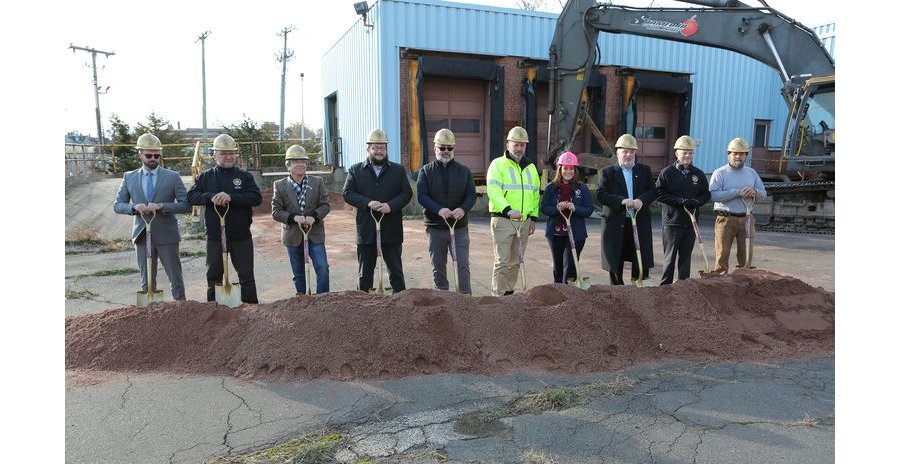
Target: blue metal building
366, 80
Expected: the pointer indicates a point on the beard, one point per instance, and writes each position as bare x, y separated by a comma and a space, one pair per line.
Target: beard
445, 159
378, 161
737, 164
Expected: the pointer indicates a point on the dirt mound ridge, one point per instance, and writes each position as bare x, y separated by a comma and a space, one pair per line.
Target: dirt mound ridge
747, 315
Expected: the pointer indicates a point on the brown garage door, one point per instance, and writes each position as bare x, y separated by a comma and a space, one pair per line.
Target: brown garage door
656, 130
458, 105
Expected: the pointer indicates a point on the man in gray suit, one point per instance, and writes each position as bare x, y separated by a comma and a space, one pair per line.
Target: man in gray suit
299, 201
150, 189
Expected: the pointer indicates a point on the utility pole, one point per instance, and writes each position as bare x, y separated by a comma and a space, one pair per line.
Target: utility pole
283, 58
302, 107
94, 53
203, 77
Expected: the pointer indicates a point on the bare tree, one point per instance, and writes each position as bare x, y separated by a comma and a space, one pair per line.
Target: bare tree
530, 5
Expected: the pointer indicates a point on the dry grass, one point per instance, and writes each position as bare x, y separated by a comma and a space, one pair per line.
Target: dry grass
487, 421
80, 240
535, 457
310, 449
808, 421
76, 294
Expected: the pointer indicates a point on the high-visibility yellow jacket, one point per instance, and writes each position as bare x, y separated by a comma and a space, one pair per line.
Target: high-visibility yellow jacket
510, 185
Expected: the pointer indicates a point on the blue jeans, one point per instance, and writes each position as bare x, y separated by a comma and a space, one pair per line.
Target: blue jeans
320, 265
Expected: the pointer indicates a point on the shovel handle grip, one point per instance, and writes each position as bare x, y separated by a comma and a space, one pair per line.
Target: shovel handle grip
222, 237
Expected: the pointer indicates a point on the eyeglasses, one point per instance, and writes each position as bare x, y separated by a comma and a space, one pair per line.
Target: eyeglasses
446, 148
154, 156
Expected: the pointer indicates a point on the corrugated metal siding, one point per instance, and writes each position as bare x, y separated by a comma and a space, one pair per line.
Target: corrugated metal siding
351, 70
730, 91
827, 34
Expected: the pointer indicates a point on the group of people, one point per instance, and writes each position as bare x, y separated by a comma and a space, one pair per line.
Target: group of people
379, 190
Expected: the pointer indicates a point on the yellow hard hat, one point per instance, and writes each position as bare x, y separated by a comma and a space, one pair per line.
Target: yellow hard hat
444, 137
518, 134
684, 143
377, 136
738, 145
148, 142
225, 142
296, 152
627, 141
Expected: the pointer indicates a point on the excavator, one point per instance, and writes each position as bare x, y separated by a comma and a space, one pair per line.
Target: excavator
801, 187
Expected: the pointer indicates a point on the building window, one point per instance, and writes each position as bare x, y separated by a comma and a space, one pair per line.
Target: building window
465, 126
761, 133
434, 125
644, 132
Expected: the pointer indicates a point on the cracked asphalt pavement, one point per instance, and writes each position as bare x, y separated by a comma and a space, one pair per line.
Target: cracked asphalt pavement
674, 413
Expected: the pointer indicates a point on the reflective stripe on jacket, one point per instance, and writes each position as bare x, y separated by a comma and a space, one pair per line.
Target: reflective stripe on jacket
510, 185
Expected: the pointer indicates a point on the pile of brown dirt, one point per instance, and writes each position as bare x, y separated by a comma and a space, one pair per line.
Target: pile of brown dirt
336, 203
745, 316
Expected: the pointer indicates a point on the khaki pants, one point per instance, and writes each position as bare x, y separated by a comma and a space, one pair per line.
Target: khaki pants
726, 228
505, 272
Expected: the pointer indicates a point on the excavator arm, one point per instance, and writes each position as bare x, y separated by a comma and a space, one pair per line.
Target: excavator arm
762, 33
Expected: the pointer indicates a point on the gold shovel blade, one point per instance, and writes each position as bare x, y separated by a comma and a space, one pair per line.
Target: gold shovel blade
146, 298
228, 295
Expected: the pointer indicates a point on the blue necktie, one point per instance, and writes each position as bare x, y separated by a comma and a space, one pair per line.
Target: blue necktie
628, 177
149, 187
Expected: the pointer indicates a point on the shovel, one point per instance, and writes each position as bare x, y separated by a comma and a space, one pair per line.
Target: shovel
226, 294
748, 230
698, 238
632, 212
519, 229
151, 295
580, 282
453, 249
380, 289
306, 231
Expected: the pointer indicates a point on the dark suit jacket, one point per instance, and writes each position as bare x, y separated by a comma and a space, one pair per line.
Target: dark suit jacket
611, 193
169, 192
392, 187
285, 206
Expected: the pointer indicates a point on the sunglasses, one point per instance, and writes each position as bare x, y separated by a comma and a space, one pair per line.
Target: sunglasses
154, 156
446, 148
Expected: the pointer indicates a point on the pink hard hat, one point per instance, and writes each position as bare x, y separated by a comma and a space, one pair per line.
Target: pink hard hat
567, 159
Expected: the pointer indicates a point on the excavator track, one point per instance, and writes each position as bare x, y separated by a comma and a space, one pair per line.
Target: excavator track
798, 207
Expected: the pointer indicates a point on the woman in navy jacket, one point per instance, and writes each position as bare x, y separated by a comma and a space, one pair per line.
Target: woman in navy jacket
566, 192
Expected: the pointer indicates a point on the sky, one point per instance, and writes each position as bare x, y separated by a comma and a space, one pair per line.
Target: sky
157, 61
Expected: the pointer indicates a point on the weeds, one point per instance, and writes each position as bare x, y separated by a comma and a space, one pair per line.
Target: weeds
534, 457
191, 254
77, 294
109, 272
310, 449
486, 422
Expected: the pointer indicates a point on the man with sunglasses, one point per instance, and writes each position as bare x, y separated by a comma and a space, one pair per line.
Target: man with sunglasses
446, 191
227, 185
150, 190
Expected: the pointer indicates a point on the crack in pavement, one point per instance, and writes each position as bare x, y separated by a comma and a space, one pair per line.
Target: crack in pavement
225, 436
174, 453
